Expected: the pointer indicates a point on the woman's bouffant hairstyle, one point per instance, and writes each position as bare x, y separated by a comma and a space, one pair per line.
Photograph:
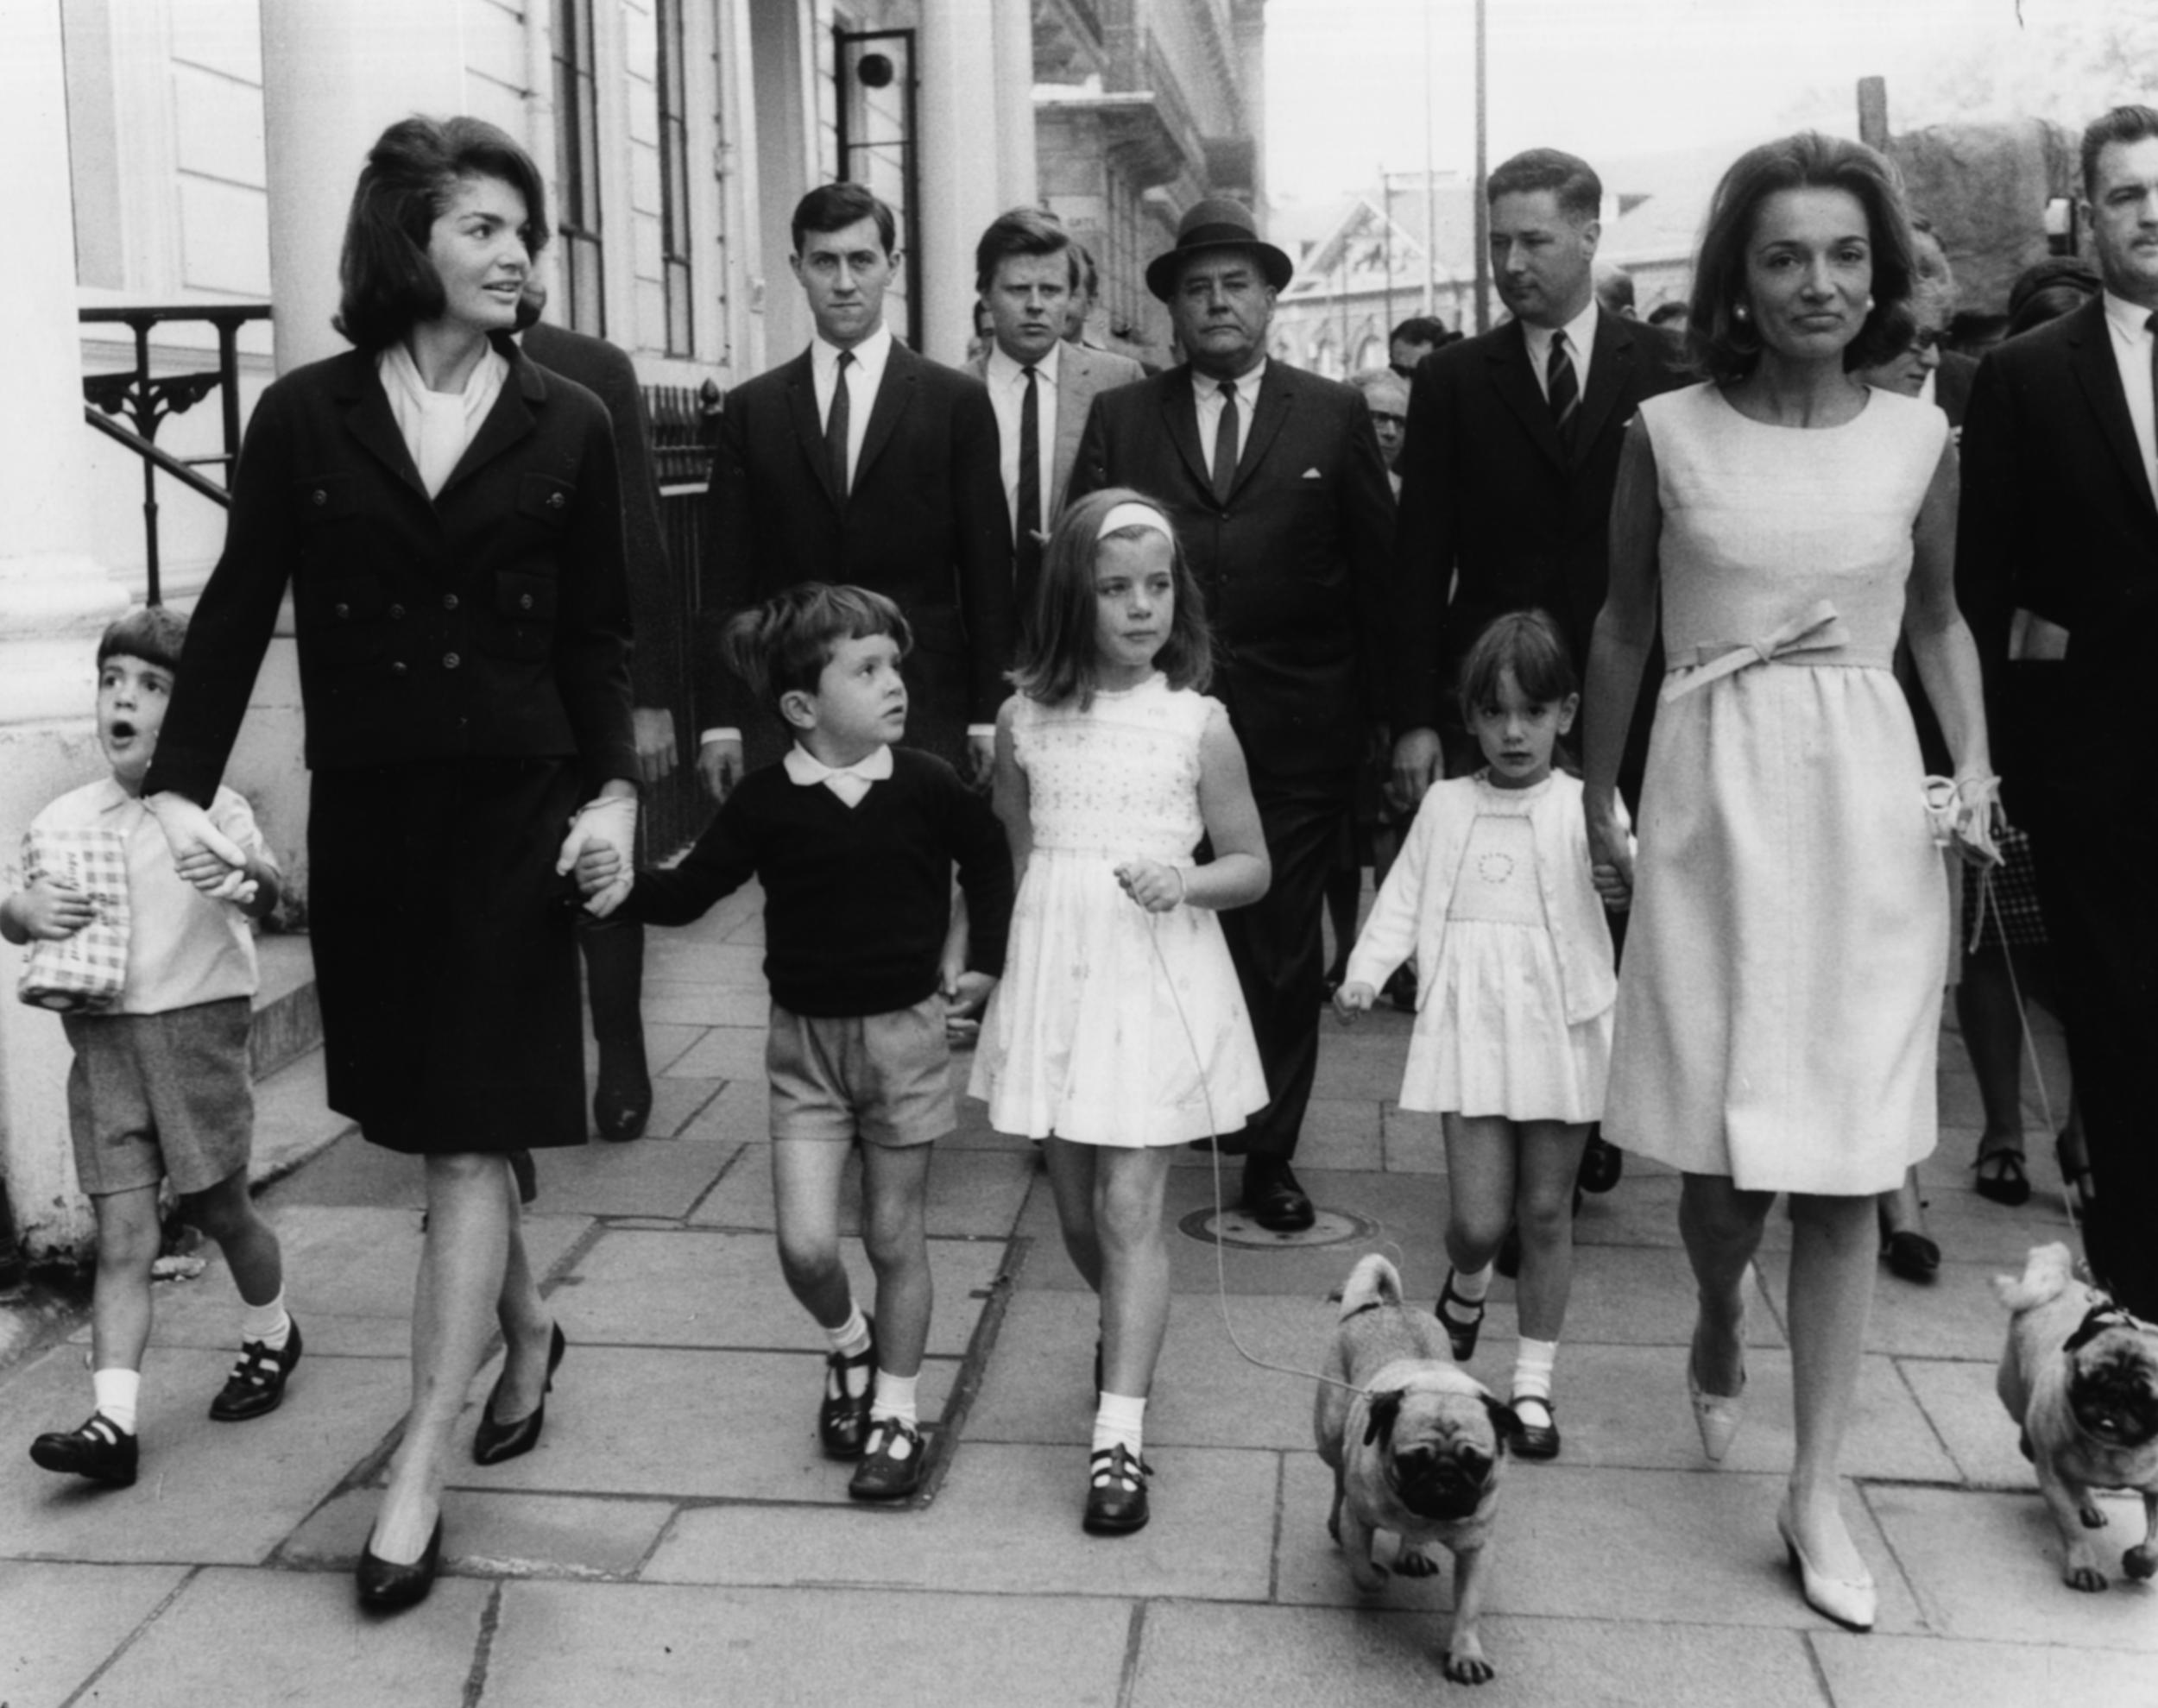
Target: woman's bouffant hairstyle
388, 285
1724, 346
781, 647
1058, 659
153, 633
1529, 644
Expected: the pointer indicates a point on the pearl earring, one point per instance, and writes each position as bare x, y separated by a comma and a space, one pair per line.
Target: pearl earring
1742, 312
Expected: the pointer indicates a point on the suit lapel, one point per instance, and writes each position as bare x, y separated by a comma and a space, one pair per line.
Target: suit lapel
896, 391
1610, 373
367, 417
1180, 416
1512, 378
1075, 395
509, 420
1268, 413
809, 431
2099, 374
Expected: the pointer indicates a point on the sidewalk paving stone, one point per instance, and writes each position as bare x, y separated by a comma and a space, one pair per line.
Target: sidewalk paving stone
58, 1622
252, 1639
1194, 1656
571, 1645
1956, 1315
490, 1532
1988, 1566
971, 1192
626, 1180
718, 1052
1931, 1673
1005, 1523
1962, 1404
224, 1493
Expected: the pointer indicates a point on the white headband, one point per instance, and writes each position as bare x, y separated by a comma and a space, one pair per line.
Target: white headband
1132, 514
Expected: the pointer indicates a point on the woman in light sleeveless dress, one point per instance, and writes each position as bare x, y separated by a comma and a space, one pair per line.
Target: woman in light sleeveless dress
1780, 996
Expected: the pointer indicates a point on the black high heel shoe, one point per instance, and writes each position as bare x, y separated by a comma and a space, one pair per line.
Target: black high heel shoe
494, 1442
385, 1587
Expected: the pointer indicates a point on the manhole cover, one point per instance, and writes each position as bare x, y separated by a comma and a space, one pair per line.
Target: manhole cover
1235, 1227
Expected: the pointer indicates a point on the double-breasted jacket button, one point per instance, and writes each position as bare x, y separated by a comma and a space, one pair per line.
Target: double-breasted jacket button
524, 600
451, 661
397, 613
555, 500
397, 668
318, 496
449, 602
343, 612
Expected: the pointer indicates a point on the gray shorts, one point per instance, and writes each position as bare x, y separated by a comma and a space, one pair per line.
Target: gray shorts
153, 1097
884, 1076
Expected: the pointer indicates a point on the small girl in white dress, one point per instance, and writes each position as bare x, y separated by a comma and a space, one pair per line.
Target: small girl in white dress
1119, 1031
1493, 895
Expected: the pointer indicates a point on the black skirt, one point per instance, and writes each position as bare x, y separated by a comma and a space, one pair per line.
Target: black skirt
446, 958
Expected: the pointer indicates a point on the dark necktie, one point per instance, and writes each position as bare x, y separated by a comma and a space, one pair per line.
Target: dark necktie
1027, 548
1564, 389
2153, 324
836, 420
1225, 444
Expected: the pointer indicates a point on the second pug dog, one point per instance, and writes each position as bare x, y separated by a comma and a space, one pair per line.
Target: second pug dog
2081, 1376
1417, 1447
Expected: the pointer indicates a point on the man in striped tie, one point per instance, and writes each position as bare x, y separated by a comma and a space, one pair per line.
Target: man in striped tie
1508, 470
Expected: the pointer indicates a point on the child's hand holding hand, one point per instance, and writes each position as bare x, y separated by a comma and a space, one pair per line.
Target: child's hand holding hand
966, 994
1156, 887
1611, 888
51, 911
599, 866
202, 854
1353, 998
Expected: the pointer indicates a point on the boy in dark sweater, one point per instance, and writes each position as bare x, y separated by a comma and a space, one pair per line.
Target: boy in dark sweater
853, 840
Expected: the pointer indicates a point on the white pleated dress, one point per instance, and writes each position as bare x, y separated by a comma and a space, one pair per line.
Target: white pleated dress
1779, 999
1113, 1025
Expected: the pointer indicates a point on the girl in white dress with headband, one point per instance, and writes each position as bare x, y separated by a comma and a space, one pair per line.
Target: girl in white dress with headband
1119, 1032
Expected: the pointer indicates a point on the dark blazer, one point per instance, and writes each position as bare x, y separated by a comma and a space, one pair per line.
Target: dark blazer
1952, 385
490, 621
924, 523
1293, 566
1489, 496
2057, 518
658, 674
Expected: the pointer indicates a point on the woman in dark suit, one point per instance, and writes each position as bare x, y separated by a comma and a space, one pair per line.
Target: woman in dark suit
447, 518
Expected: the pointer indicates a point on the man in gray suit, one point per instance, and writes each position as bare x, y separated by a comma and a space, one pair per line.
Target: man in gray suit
1026, 269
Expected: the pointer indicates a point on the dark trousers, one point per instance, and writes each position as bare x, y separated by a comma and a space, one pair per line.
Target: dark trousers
1275, 944
2095, 864
614, 979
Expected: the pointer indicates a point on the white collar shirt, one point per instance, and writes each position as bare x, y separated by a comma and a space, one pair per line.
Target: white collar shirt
1007, 381
849, 782
864, 375
1581, 342
2130, 326
1206, 393
439, 427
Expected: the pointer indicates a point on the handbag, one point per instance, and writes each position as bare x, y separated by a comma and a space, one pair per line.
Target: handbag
86, 972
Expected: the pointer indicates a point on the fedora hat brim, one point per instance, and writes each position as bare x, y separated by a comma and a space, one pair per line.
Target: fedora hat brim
1161, 271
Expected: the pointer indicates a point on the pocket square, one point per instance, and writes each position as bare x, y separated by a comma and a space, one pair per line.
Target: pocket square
1313, 474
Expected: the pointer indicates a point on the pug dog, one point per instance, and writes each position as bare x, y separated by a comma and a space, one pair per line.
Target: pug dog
1417, 1447
2081, 1375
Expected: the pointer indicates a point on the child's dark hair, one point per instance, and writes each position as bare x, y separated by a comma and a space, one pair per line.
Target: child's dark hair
782, 646
1057, 659
153, 633
1529, 644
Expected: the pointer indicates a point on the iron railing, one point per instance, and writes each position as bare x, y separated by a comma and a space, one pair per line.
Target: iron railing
684, 428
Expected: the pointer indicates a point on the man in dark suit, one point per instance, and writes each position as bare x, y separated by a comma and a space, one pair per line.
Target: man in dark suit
2059, 519
861, 462
1274, 480
1028, 270
1507, 475
615, 949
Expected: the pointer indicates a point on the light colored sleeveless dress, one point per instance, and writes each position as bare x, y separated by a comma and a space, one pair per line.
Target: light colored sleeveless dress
1779, 998
1113, 1025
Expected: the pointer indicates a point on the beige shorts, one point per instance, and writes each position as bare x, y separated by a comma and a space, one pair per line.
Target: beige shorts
155, 1097
886, 1077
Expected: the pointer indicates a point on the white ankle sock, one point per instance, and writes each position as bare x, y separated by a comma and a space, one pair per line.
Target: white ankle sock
1119, 1420
1471, 1285
117, 1390
895, 1399
266, 1323
1532, 1364
850, 1340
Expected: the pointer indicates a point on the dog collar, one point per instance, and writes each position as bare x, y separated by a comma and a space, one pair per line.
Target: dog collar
2103, 1316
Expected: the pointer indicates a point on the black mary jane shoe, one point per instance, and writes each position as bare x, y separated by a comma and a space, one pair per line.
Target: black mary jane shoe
842, 1417
1116, 1492
2001, 1177
385, 1587
493, 1442
1537, 1441
257, 1385
1911, 1255
96, 1448
1461, 1332
1602, 1164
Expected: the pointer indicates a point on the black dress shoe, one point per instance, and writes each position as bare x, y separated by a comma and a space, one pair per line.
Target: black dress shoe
257, 1385
1233, 1146
493, 1442
1274, 1199
885, 1471
1116, 1492
385, 1587
96, 1448
1602, 1162
842, 1418
1911, 1255
1537, 1441
621, 1100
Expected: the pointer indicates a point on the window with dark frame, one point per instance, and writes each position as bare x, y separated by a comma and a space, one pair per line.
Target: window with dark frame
674, 183
576, 146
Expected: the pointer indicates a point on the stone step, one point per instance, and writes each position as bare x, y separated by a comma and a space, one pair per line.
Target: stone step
288, 1018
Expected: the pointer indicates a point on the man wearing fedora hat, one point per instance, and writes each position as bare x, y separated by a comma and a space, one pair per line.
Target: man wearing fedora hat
1274, 480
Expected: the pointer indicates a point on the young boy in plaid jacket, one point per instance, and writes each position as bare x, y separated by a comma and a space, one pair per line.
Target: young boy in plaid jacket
161, 1087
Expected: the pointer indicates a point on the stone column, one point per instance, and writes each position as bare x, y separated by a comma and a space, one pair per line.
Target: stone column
1016, 185
54, 598
961, 177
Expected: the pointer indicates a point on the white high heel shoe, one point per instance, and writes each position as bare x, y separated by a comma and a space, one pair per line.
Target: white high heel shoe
1848, 1600
1716, 1415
